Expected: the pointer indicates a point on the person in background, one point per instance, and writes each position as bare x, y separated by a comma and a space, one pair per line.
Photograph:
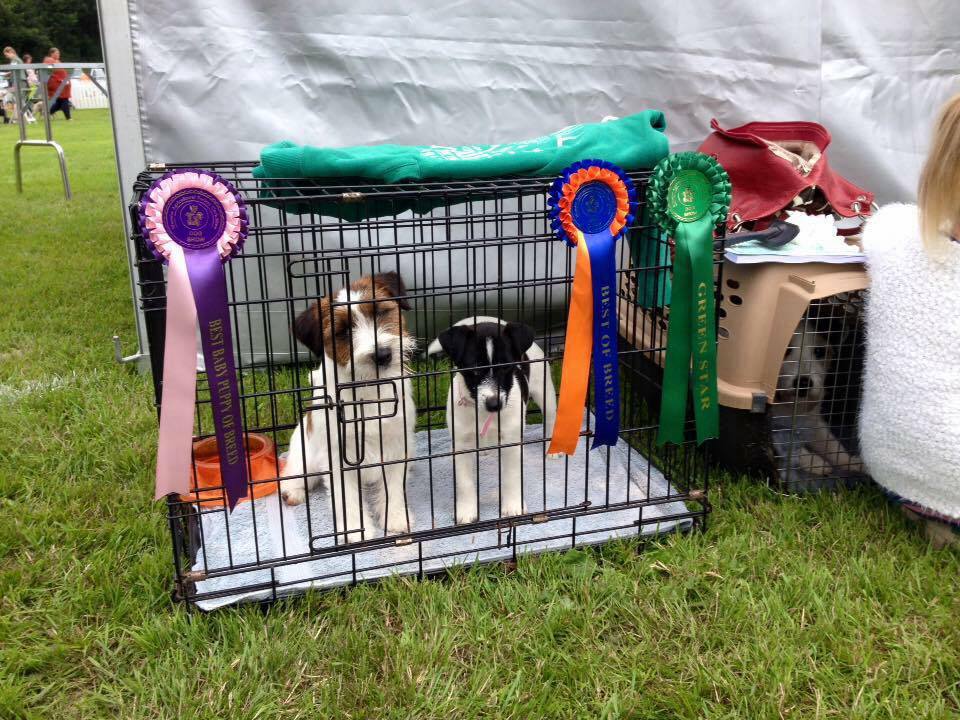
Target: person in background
910, 414
33, 89
9, 98
11, 55
57, 78
32, 79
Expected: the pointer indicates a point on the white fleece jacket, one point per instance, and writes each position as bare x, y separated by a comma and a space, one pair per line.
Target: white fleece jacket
910, 416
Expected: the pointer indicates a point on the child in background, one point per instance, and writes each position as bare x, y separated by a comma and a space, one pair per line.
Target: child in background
32, 80
33, 85
911, 392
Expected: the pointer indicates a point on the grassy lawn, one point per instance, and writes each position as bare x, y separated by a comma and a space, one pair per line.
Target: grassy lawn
826, 607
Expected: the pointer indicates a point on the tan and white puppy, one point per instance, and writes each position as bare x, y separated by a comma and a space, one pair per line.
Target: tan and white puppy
799, 399
362, 338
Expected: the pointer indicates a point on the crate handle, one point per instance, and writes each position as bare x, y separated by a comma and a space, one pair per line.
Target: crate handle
359, 415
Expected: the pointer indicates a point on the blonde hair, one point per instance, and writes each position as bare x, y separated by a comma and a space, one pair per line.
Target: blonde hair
939, 194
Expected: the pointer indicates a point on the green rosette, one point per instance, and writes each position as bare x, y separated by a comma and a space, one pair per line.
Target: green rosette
688, 196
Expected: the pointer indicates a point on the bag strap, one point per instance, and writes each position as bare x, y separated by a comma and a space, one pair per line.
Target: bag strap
760, 133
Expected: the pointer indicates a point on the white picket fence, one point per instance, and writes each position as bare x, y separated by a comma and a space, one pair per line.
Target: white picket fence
86, 95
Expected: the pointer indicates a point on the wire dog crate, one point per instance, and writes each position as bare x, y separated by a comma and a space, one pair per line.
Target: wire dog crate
355, 473
790, 365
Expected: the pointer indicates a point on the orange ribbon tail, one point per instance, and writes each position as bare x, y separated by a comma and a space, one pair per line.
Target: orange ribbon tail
576, 357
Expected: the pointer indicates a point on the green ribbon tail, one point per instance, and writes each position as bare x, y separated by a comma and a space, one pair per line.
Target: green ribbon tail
691, 338
706, 407
676, 372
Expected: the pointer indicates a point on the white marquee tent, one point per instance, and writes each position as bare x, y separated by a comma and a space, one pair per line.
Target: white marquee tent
217, 80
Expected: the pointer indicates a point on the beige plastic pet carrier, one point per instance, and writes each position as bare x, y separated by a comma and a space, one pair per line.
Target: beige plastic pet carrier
789, 369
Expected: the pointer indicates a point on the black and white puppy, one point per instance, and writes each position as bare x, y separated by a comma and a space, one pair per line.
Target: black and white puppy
499, 368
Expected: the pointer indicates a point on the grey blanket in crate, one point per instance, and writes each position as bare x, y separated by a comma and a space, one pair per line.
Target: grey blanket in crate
266, 529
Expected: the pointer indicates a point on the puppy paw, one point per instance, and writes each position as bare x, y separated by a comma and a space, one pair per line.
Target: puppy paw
855, 467
293, 492
397, 521
512, 507
356, 529
466, 513
818, 466
352, 537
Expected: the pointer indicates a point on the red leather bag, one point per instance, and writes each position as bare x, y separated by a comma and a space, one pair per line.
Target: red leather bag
772, 163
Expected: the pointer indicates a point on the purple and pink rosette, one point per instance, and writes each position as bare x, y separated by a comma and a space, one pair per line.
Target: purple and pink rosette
195, 221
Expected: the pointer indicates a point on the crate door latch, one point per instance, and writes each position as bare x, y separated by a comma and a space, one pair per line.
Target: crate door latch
358, 404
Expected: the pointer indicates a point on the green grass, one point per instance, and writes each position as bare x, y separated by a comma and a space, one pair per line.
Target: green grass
826, 607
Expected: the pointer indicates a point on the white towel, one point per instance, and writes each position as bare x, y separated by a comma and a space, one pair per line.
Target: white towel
266, 530
910, 416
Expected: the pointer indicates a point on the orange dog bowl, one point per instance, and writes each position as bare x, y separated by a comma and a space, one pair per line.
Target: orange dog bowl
206, 483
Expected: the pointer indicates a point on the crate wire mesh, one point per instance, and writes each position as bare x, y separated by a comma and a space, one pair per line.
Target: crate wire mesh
813, 416
481, 248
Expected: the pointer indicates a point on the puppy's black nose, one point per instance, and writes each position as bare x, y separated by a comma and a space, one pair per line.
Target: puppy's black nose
383, 356
493, 403
803, 385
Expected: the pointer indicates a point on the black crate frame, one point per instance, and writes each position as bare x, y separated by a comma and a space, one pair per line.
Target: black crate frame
685, 468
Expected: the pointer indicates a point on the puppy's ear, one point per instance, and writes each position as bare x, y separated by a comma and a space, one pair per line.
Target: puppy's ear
454, 342
308, 328
520, 336
391, 285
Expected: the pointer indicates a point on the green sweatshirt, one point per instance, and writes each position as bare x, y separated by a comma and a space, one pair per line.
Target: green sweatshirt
635, 142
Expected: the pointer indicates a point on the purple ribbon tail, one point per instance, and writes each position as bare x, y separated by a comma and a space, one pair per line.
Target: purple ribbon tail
209, 285
606, 373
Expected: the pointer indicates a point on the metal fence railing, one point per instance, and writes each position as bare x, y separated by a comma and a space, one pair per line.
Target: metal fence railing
33, 100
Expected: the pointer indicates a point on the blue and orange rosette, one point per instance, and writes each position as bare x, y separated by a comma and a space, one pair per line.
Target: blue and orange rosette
591, 204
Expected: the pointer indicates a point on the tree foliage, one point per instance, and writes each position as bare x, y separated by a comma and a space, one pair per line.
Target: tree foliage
34, 26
